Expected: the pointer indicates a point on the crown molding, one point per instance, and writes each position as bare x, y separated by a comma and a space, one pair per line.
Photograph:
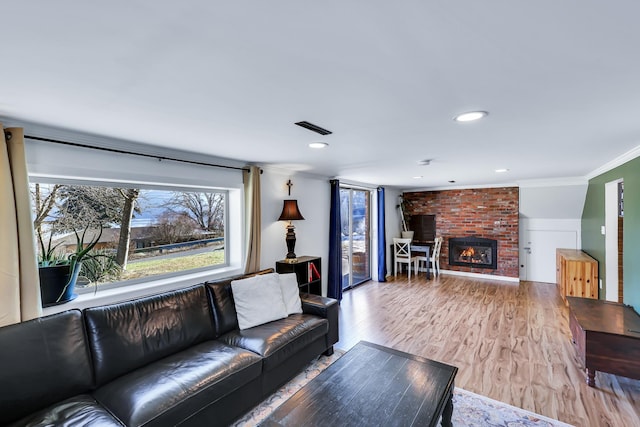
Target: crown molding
554, 182
460, 187
618, 161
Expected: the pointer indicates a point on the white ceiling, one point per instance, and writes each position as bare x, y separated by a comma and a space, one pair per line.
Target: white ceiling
560, 79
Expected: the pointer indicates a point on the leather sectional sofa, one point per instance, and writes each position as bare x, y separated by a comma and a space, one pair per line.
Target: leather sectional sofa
176, 358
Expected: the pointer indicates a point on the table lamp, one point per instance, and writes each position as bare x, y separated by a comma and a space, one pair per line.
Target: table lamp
289, 213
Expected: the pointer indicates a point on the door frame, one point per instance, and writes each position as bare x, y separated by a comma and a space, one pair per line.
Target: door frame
611, 202
369, 212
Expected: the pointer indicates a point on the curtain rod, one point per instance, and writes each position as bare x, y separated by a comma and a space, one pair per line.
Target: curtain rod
114, 150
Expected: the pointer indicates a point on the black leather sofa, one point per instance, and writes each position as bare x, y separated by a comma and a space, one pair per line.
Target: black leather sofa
177, 358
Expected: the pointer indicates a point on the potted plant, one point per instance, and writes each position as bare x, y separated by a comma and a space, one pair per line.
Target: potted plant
59, 272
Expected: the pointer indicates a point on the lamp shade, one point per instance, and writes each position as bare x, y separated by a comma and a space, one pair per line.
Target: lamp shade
290, 211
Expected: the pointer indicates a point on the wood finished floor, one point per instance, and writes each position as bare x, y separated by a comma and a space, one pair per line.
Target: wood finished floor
510, 341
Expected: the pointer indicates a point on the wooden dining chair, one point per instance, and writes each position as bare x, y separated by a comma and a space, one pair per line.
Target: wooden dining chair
402, 255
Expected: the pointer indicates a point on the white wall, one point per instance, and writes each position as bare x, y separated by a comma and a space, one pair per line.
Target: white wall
312, 235
551, 212
553, 200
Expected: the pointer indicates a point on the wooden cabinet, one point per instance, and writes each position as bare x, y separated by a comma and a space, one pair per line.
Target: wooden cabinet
576, 274
308, 272
607, 337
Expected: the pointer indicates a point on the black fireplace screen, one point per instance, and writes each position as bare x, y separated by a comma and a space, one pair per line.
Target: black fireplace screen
473, 252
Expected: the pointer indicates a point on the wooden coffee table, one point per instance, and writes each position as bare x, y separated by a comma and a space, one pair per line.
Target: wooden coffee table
373, 385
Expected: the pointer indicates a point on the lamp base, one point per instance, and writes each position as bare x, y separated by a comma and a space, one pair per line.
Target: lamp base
290, 260
291, 243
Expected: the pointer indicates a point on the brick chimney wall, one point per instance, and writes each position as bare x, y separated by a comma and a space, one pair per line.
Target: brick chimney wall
492, 213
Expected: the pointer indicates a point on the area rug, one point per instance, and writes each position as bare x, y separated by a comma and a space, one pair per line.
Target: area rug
469, 409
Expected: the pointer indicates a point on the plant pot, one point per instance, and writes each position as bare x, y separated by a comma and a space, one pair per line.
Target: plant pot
57, 284
407, 235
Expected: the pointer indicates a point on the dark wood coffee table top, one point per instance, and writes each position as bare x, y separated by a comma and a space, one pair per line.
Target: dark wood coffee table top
605, 316
372, 385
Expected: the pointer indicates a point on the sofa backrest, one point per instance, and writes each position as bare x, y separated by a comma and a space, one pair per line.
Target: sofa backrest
224, 309
222, 304
128, 335
43, 361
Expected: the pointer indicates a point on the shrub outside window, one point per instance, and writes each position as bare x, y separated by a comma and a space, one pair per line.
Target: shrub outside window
141, 233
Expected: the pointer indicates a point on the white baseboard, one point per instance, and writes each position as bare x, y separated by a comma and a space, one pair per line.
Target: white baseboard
474, 275
479, 275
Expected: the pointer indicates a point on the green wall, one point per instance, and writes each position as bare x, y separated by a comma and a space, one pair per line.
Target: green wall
593, 242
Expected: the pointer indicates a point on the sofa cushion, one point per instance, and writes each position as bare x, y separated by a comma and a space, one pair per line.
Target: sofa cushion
170, 390
81, 410
290, 292
223, 307
277, 341
258, 300
43, 361
132, 334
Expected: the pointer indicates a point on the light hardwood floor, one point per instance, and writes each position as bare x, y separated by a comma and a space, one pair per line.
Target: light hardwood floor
510, 341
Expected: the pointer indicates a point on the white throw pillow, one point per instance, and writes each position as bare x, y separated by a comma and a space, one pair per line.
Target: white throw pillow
258, 300
290, 293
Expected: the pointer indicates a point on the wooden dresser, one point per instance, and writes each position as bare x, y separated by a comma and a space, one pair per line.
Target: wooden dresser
576, 274
607, 337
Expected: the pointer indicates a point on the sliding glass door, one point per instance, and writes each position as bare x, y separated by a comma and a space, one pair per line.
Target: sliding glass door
355, 209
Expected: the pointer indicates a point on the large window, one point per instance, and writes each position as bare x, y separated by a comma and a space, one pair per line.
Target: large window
140, 233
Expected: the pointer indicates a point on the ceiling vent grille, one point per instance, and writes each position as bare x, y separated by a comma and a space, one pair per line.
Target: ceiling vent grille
314, 128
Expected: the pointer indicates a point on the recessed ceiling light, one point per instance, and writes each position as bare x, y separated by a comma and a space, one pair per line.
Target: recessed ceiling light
418, 177
502, 170
318, 144
470, 116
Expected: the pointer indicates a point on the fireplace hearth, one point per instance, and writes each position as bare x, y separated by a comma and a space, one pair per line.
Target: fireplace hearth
473, 252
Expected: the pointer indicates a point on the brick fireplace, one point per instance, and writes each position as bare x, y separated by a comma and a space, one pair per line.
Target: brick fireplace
486, 213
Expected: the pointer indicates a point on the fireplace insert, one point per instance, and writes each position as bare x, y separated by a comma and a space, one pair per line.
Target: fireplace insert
473, 252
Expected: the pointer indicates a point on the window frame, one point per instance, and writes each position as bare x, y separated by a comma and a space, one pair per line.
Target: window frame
33, 179
95, 162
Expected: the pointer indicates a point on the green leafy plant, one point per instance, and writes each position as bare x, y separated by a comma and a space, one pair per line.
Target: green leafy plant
101, 265
81, 250
48, 255
51, 257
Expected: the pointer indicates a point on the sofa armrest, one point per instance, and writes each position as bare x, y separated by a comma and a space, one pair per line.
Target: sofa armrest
326, 308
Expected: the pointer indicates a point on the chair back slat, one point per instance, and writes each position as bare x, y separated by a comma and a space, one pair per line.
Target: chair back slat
437, 246
402, 247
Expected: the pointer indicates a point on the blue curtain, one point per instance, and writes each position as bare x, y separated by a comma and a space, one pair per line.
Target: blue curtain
382, 241
334, 284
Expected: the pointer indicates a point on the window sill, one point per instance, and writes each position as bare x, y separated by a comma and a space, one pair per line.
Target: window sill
152, 287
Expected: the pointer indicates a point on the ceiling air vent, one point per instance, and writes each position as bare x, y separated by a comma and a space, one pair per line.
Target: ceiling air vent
314, 128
